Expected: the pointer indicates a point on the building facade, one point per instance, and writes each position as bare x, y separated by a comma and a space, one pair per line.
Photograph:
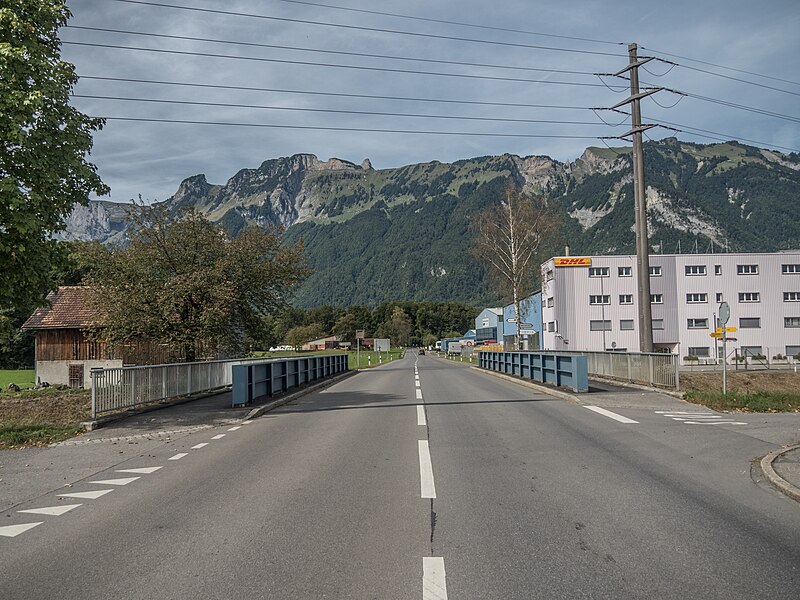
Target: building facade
489, 326
530, 309
590, 303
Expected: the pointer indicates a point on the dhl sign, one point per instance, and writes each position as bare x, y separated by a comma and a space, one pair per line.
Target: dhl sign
574, 261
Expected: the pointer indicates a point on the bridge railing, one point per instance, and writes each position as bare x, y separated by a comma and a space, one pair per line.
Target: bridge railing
655, 369
565, 370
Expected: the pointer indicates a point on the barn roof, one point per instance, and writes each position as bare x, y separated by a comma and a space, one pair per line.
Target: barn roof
68, 308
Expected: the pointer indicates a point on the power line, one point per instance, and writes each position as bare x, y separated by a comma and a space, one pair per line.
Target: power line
446, 22
329, 65
349, 129
337, 111
333, 94
322, 51
370, 29
722, 136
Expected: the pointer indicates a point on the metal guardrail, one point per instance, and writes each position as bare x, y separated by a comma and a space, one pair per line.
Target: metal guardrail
128, 387
655, 369
267, 378
567, 370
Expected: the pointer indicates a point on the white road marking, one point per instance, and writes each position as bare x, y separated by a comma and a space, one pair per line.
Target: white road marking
714, 423
611, 415
434, 584
198, 446
15, 530
416, 383
120, 481
419, 394
246, 422
235, 428
427, 488
145, 470
178, 456
218, 437
680, 412
51, 510
421, 415
93, 495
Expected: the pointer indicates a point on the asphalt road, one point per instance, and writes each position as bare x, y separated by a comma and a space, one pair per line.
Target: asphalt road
463, 487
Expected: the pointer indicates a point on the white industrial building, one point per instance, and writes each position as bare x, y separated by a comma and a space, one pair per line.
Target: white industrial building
590, 303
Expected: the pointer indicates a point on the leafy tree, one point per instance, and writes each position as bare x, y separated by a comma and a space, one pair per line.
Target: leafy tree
398, 327
184, 282
44, 143
297, 336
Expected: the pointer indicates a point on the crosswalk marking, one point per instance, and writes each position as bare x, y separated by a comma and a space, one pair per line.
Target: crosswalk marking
144, 470
93, 495
51, 510
15, 530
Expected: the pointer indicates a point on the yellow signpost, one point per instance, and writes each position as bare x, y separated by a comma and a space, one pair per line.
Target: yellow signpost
727, 330
717, 334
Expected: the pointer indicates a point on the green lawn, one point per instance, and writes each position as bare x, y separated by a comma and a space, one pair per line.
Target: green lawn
753, 402
24, 378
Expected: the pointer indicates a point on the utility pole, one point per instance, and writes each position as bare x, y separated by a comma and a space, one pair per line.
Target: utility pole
640, 212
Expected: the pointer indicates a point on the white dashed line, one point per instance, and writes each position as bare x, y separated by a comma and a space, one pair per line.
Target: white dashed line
427, 488
15, 530
120, 481
178, 456
713, 423
218, 437
434, 584
51, 510
93, 495
246, 422
145, 470
198, 446
416, 383
421, 415
611, 415
235, 428
419, 394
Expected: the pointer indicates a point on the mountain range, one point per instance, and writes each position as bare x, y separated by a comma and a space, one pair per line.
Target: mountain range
374, 235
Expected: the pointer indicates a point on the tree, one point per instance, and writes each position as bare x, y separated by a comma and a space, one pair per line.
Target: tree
297, 336
508, 238
44, 143
185, 282
398, 327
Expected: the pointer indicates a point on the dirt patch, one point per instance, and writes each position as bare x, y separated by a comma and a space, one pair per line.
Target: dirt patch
747, 383
54, 407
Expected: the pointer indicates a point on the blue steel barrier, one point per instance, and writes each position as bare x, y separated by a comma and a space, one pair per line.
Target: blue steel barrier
256, 380
565, 370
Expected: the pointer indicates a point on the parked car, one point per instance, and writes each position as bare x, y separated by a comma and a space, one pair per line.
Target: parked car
421, 351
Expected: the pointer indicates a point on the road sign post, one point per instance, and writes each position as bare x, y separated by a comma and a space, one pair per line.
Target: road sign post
724, 317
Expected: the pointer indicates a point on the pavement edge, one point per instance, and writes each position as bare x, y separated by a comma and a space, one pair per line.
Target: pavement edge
776, 480
260, 410
538, 387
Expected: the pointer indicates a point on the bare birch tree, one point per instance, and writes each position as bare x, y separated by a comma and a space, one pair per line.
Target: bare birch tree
509, 239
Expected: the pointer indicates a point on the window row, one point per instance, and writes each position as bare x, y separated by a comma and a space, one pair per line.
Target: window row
627, 324
705, 351
691, 298
690, 270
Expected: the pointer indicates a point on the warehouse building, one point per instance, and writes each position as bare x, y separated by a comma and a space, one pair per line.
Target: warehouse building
590, 303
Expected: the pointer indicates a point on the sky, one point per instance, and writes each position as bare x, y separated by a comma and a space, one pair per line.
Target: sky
150, 157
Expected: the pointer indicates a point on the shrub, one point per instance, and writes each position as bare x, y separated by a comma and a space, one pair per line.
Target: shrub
690, 358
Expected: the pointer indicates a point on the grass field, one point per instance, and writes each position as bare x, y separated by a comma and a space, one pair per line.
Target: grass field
41, 417
761, 391
24, 378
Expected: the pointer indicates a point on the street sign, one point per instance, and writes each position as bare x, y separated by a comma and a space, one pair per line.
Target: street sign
727, 330
724, 313
359, 334
729, 339
717, 334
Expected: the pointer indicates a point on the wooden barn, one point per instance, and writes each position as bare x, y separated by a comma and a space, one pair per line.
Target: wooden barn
65, 354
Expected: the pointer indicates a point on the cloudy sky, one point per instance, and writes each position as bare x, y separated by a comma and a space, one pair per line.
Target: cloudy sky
500, 94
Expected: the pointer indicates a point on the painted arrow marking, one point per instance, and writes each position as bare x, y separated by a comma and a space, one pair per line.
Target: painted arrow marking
15, 530
145, 470
51, 510
120, 481
93, 495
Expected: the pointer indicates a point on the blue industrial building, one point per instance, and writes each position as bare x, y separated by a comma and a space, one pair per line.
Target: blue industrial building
531, 325
489, 326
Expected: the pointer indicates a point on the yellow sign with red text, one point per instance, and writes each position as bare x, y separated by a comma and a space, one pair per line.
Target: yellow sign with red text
574, 261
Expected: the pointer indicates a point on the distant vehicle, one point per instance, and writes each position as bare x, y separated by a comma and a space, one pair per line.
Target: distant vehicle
284, 348
421, 351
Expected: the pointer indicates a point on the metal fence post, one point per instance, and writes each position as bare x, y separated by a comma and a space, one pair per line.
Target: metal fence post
676, 360
93, 376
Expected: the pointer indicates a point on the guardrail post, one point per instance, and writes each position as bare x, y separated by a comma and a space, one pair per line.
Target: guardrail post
93, 377
630, 378
188, 379
677, 362
650, 362
133, 388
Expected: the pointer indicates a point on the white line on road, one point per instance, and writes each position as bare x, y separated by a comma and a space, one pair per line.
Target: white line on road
611, 415
93, 495
178, 456
416, 383
713, 423
246, 422
427, 488
434, 585
145, 470
421, 415
235, 428
120, 481
198, 446
218, 436
15, 530
51, 510
419, 394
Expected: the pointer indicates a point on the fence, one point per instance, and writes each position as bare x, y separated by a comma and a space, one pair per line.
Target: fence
566, 370
654, 369
267, 378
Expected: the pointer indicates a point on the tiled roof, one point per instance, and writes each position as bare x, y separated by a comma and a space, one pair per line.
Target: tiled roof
68, 308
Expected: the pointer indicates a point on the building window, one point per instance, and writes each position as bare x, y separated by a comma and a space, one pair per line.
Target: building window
600, 299
551, 326
790, 269
550, 302
626, 298
791, 296
696, 298
699, 351
658, 324
719, 296
548, 275
751, 351
749, 322
626, 325
792, 350
625, 271
717, 269
695, 269
747, 269
656, 298
697, 323
749, 297
599, 325
791, 321
655, 271
598, 271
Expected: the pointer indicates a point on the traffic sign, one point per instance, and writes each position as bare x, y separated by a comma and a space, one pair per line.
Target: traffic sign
730, 339
717, 334
727, 330
724, 312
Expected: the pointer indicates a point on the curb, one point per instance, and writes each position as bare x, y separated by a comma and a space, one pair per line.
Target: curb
637, 386
536, 386
260, 410
776, 480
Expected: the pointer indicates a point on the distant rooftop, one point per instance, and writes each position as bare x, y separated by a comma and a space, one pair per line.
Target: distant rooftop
68, 309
